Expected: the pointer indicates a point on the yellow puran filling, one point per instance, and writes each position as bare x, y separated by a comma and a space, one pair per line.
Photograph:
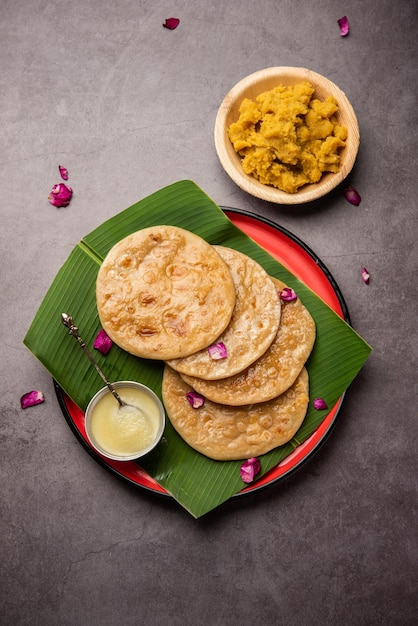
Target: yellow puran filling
287, 138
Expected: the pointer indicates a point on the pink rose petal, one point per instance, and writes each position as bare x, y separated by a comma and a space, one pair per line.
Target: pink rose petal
171, 23
195, 399
103, 342
352, 195
249, 469
344, 26
288, 295
60, 195
320, 404
365, 275
63, 172
31, 398
218, 351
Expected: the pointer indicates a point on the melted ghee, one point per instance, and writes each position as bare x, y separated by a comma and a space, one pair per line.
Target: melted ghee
121, 431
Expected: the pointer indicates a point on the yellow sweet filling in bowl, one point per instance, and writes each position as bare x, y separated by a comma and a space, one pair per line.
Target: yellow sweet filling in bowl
286, 135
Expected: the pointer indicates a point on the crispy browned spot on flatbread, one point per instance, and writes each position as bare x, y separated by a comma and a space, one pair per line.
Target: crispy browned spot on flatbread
164, 293
276, 370
253, 325
228, 433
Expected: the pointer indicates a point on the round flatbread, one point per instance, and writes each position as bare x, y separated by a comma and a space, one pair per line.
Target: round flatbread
253, 325
164, 293
276, 370
226, 433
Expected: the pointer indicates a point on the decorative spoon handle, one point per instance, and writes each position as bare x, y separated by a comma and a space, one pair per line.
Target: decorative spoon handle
68, 321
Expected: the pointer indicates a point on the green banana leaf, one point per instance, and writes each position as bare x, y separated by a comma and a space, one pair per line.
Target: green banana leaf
196, 482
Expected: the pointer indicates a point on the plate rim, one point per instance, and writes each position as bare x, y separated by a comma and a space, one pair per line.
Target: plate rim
253, 488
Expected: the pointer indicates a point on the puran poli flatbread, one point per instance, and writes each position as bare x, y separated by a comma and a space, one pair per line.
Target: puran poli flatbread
226, 433
253, 325
164, 293
276, 370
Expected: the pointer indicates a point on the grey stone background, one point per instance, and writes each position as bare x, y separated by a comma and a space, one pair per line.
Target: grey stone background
129, 107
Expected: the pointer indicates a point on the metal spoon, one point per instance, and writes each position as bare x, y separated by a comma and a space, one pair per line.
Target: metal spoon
68, 321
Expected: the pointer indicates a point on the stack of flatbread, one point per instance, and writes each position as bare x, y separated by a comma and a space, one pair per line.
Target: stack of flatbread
165, 293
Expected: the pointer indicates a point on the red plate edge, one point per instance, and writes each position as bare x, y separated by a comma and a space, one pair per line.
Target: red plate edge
299, 259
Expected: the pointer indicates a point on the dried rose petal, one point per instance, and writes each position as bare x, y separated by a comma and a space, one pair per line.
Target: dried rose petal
249, 469
31, 398
103, 342
365, 275
288, 295
218, 351
60, 195
63, 171
171, 23
352, 195
320, 404
195, 399
344, 26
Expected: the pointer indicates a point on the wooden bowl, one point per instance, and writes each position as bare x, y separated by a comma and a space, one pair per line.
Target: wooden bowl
264, 80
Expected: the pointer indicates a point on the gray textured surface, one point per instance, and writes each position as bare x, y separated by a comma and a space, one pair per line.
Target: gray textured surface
129, 107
